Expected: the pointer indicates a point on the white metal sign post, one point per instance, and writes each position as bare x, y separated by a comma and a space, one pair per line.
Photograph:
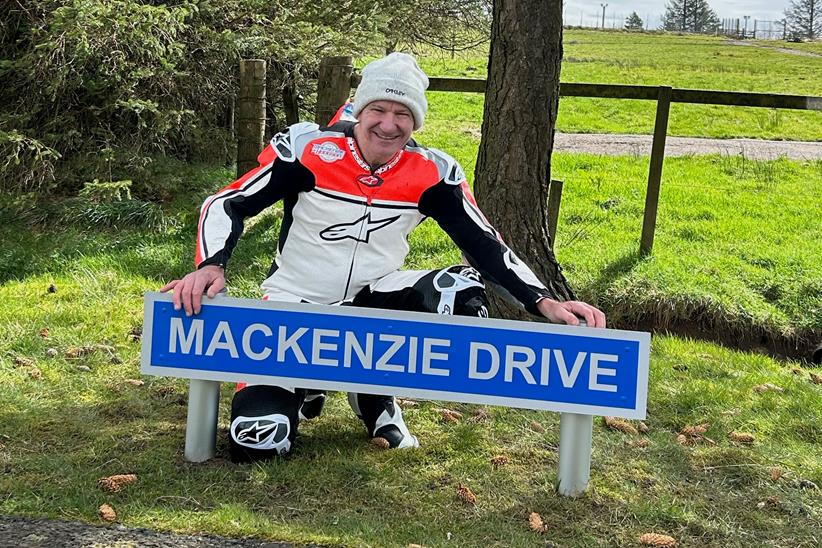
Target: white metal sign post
577, 371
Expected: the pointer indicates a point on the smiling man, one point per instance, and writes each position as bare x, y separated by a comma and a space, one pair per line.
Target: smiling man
352, 193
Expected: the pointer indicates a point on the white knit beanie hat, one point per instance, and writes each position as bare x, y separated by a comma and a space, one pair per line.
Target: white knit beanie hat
395, 77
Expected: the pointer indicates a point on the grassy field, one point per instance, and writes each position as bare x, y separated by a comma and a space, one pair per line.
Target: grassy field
736, 252
649, 59
67, 421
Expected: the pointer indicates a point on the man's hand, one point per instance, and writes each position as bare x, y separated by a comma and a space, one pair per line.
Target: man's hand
188, 292
569, 312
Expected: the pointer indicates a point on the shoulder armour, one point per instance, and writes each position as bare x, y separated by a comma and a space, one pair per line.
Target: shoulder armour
449, 169
290, 143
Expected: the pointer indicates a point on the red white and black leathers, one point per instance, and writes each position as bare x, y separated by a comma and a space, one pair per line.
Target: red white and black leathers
346, 226
343, 239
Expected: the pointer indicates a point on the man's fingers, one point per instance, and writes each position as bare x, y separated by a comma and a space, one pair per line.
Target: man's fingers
566, 316
169, 286
600, 316
216, 286
197, 294
584, 310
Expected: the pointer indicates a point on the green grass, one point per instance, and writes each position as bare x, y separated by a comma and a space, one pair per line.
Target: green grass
61, 432
653, 59
737, 249
716, 242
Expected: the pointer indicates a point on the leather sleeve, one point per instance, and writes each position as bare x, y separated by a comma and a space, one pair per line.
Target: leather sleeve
222, 215
450, 206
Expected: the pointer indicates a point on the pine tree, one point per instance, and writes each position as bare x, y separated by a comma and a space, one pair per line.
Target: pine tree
804, 18
690, 16
633, 22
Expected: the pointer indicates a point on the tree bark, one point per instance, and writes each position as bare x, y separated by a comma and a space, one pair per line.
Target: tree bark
514, 161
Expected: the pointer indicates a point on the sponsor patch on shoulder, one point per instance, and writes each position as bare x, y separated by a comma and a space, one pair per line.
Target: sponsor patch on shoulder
327, 151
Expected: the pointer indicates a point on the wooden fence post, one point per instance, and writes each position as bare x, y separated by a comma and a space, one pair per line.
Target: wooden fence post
333, 86
250, 114
291, 103
663, 107
554, 199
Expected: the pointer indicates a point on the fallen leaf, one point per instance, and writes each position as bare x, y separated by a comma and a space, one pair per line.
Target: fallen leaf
816, 379
466, 494
51, 353
682, 439
406, 403
107, 513
449, 415
796, 370
776, 473
116, 360
134, 382
35, 373
113, 484
642, 427
382, 443
767, 387
499, 460
44, 333
20, 361
136, 334
773, 500
536, 523
83, 368
741, 437
657, 540
537, 426
415, 546
621, 425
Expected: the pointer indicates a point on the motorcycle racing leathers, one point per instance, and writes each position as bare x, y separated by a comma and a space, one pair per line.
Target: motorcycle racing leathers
343, 239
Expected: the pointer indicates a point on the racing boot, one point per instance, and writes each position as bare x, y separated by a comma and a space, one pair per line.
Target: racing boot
383, 419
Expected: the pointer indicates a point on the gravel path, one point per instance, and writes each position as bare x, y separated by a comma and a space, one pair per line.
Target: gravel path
640, 145
790, 51
42, 533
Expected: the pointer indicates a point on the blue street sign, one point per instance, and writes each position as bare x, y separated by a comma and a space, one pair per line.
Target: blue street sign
456, 358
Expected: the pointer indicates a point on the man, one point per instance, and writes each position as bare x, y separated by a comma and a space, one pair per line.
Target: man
352, 193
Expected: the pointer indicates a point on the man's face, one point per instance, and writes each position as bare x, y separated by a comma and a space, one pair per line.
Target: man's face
384, 128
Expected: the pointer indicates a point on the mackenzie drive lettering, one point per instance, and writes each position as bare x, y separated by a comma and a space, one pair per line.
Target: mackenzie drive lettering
335, 348
440, 357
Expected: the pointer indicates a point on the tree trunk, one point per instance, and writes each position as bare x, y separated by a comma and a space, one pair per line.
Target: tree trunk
514, 162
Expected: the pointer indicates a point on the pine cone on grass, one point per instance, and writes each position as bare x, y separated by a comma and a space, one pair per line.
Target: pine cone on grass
113, 484
657, 540
621, 425
536, 523
466, 495
107, 513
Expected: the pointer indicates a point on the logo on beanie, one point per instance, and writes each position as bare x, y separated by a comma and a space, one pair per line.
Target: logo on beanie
395, 92
328, 152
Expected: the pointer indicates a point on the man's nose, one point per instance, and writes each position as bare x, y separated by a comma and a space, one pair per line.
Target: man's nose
388, 121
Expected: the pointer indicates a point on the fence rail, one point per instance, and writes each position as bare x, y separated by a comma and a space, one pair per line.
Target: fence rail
664, 96
650, 93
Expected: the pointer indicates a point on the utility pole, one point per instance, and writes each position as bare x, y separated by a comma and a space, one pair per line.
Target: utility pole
603, 15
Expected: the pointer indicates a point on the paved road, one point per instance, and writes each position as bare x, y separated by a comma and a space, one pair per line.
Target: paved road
37, 533
640, 145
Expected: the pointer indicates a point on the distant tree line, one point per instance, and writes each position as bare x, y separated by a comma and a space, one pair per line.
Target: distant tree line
690, 16
100, 87
804, 19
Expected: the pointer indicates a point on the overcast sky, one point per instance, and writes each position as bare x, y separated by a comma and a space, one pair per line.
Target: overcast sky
617, 10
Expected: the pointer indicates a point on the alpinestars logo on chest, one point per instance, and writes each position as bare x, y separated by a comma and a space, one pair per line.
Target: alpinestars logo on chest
359, 230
